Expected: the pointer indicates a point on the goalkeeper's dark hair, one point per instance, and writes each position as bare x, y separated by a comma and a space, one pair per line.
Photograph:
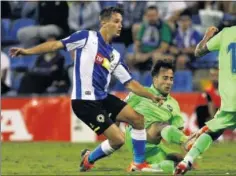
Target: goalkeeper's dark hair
106, 13
162, 64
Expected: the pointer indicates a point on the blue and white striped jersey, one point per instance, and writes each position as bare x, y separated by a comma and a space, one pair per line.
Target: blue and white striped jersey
95, 61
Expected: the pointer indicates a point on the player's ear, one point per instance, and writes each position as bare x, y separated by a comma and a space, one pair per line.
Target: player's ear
103, 22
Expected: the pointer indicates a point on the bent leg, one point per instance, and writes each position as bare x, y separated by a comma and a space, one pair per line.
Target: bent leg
92, 114
173, 135
154, 132
138, 133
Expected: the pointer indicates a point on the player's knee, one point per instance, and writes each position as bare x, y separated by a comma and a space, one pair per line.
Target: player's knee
138, 121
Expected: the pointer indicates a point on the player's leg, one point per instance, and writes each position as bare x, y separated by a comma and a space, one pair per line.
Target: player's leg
160, 159
173, 135
122, 112
168, 164
93, 115
138, 133
169, 133
222, 120
115, 139
154, 132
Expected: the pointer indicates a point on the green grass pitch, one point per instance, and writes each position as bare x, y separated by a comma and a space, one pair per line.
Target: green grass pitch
50, 158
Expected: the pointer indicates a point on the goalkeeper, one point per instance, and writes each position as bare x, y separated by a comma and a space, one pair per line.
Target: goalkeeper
161, 122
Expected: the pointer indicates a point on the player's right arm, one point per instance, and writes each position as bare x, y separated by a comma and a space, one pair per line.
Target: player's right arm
76, 40
202, 47
46, 47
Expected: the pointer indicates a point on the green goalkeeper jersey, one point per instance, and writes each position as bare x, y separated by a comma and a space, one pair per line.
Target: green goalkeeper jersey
169, 111
225, 43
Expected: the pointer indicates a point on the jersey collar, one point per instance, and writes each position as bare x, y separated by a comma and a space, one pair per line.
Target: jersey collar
156, 92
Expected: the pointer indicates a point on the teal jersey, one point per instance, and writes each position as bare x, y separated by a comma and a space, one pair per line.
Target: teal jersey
225, 43
169, 111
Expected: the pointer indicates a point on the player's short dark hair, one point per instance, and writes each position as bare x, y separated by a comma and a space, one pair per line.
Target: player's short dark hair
186, 12
151, 8
162, 64
106, 13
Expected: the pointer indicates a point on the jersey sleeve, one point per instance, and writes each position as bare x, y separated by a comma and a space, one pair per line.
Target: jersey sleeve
75, 40
214, 43
122, 73
177, 119
132, 99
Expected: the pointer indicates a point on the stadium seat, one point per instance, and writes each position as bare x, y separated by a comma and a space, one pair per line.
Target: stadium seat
105, 4
182, 81
20, 23
30, 60
5, 29
207, 61
196, 19
212, 56
68, 59
118, 86
130, 48
146, 79
24, 61
136, 75
120, 47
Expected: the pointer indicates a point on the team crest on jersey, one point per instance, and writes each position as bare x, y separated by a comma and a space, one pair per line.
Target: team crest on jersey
99, 58
169, 107
101, 118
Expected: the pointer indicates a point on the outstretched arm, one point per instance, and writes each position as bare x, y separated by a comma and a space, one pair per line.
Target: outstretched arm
139, 90
46, 47
201, 48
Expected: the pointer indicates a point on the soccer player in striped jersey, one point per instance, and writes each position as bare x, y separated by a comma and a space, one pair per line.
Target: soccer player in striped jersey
225, 118
95, 61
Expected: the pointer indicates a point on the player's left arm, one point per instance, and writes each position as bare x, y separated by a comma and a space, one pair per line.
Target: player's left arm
203, 48
123, 75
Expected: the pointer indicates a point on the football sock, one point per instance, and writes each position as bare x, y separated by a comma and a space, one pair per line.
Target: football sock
173, 135
103, 150
139, 138
200, 146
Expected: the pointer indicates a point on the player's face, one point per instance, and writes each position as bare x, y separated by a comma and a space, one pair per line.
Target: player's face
163, 81
152, 16
185, 22
115, 24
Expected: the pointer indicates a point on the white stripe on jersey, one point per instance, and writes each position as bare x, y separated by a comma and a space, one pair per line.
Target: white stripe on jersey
108, 82
76, 44
87, 61
73, 94
122, 74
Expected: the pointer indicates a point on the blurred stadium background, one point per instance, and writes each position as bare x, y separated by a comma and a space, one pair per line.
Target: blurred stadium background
36, 89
